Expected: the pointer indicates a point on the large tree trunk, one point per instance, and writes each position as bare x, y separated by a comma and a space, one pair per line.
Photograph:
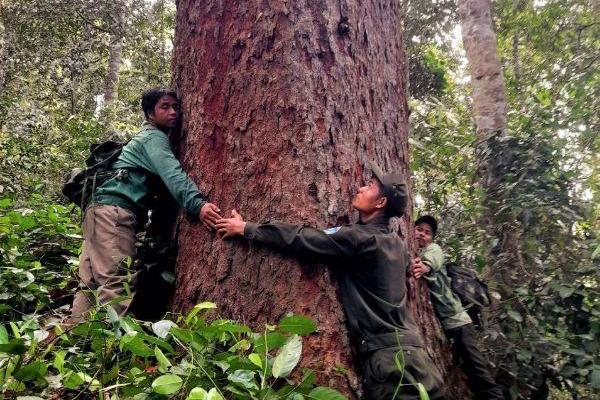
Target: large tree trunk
285, 104
495, 158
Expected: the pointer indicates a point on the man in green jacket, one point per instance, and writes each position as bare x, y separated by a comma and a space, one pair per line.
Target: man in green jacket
111, 219
454, 319
373, 261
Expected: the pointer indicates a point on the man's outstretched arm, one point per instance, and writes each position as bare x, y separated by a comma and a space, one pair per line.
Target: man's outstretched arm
300, 240
163, 163
430, 261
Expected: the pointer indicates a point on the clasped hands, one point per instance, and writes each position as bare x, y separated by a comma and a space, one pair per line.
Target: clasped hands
225, 227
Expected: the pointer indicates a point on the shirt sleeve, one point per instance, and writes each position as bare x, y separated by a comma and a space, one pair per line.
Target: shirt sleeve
163, 163
303, 240
433, 256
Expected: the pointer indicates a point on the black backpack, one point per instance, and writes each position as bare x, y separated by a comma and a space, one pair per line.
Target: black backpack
81, 183
470, 289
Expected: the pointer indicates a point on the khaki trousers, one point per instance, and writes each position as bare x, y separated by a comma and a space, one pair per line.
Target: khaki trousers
106, 272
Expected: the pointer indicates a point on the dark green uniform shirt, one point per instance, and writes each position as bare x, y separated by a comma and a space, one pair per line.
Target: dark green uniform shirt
148, 152
446, 304
373, 261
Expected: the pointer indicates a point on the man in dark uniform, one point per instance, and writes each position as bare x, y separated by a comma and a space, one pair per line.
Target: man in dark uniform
373, 260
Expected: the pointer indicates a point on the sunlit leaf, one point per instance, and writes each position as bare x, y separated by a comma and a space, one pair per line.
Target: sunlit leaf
167, 384
288, 357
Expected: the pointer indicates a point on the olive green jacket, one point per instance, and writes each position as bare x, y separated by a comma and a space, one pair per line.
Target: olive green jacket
148, 155
372, 261
446, 304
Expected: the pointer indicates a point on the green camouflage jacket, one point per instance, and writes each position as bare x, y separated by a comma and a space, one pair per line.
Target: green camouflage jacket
446, 304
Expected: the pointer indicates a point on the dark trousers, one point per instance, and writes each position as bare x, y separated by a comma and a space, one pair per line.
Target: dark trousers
382, 376
475, 366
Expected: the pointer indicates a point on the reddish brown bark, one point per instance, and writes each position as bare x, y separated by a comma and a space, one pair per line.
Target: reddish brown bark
285, 104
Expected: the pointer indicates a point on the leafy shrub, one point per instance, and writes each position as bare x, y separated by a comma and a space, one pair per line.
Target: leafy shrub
184, 358
38, 247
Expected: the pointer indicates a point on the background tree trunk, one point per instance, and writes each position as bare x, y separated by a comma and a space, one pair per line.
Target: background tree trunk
285, 103
493, 143
495, 158
115, 50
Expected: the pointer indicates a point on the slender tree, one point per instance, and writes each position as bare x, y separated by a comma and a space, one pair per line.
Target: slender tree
493, 143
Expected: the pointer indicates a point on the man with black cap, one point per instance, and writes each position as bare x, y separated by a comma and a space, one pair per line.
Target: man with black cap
452, 315
373, 261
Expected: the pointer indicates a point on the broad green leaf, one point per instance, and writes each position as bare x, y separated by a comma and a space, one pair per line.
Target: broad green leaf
113, 317
423, 395
229, 326
297, 324
256, 360
308, 380
272, 341
59, 361
29, 398
73, 379
167, 384
207, 305
14, 346
213, 394
133, 343
31, 371
185, 335
162, 328
5, 202
287, 357
197, 394
243, 378
163, 361
323, 393
243, 345
3, 335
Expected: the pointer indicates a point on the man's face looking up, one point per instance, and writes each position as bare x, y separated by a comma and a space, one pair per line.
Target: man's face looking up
423, 234
165, 112
369, 197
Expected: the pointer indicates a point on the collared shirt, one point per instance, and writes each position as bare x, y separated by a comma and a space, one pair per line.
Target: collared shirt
149, 152
446, 304
372, 260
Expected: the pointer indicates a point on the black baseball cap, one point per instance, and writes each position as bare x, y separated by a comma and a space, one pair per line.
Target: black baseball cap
429, 220
394, 189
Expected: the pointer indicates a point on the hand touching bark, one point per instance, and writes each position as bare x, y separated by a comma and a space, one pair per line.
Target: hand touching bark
231, 227
209, 214
419, 268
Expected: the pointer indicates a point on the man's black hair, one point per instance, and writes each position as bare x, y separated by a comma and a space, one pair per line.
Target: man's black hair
151, 96
429, 220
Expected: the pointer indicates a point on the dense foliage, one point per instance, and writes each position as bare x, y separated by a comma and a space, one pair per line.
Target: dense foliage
184, 358
544, 330
38, 248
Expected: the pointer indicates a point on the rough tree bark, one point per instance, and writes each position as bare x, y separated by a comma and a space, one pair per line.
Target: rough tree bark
285, 103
